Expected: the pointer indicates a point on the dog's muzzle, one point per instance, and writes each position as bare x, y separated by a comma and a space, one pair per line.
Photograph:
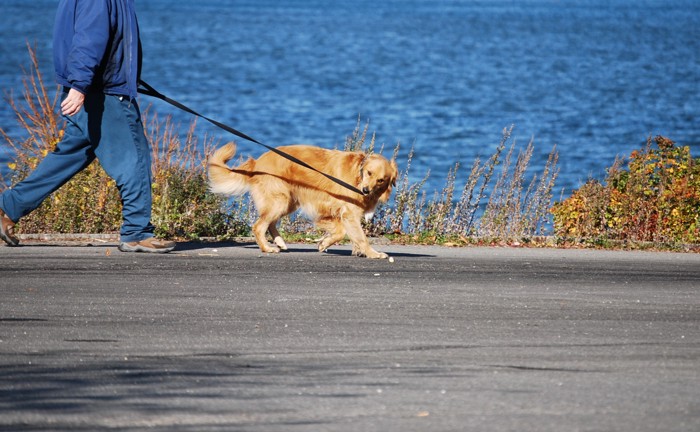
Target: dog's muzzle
366, 190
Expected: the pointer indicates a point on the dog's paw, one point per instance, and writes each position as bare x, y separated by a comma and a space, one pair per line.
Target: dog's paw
280, 243
325, 243
358, 253
379, 255
271, 249
373, 254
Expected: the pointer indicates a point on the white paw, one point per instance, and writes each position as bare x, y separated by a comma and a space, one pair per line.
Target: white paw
271, 249
280, 243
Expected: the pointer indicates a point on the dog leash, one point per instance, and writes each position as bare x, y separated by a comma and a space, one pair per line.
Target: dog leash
148, 90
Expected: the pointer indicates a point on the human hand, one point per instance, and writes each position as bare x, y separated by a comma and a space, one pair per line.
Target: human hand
72, 103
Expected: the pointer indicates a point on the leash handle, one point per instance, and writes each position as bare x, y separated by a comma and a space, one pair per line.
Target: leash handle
148, 90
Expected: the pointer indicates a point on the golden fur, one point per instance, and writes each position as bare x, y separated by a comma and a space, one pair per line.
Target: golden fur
279, 187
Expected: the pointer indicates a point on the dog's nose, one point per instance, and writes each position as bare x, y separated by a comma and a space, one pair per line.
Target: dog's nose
365, 190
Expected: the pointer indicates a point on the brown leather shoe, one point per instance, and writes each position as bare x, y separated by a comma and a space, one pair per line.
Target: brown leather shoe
7, 228
151, 245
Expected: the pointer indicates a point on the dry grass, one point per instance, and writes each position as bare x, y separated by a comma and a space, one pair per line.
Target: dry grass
493, 205
89, 203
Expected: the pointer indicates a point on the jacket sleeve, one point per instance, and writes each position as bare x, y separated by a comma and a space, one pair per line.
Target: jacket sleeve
90, 40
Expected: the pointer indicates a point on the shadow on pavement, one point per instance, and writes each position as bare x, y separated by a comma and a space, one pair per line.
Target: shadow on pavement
293, 249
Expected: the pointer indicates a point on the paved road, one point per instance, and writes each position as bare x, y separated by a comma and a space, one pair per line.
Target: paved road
217, 337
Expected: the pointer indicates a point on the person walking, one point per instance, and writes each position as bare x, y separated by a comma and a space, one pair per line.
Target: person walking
97, 57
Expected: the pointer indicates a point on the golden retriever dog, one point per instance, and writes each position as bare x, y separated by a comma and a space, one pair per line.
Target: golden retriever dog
279, 187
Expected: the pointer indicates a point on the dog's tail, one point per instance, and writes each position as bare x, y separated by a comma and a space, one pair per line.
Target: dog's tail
225, 180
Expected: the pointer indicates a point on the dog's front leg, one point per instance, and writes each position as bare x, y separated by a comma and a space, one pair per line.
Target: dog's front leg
360, 244
334, 233
356, 251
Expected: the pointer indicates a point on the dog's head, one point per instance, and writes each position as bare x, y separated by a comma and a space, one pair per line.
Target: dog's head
378, 176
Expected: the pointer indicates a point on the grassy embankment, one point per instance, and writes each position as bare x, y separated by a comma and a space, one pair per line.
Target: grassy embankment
652, 204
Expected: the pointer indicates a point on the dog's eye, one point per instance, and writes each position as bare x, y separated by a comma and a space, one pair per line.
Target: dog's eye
369, 173
380, 181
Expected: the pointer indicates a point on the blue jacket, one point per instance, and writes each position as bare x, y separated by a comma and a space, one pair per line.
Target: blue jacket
96, 46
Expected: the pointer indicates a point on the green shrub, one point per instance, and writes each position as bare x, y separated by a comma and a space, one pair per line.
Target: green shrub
656, 199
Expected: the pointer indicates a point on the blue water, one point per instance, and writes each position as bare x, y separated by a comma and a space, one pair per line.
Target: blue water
595, 78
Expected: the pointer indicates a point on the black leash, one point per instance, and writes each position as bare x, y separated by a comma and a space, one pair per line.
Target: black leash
146, 89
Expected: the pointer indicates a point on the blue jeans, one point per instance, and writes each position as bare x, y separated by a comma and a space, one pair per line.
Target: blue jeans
108, 128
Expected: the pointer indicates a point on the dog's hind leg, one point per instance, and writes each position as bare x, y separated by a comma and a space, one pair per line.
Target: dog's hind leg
260, 232
271, 208
276, 236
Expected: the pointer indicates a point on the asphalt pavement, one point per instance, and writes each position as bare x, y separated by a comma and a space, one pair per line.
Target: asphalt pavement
219, 337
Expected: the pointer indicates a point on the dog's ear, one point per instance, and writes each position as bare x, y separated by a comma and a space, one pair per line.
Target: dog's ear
359, 161
394, 172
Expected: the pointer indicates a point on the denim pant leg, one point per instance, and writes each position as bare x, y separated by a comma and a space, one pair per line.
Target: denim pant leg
72, 154
125, 155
